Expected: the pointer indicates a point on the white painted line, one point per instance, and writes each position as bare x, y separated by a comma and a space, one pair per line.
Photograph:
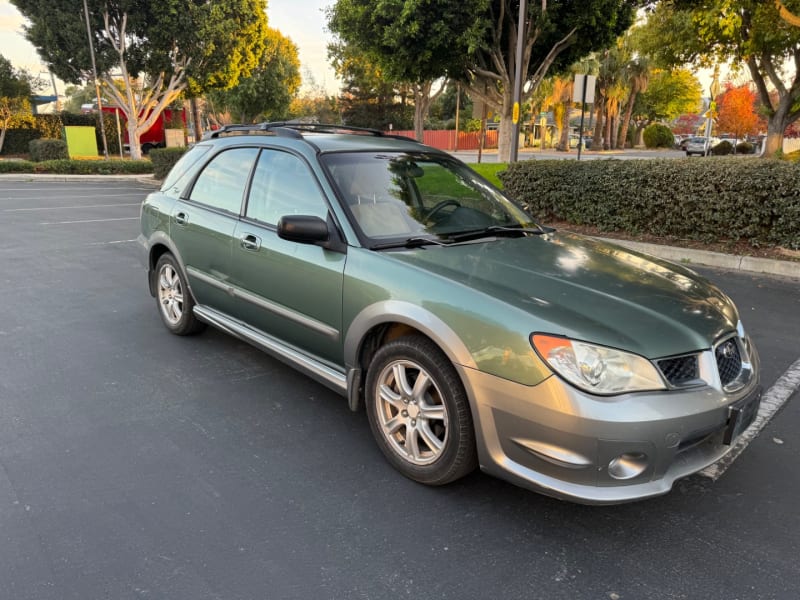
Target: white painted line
771, 402
70, 207
91, 221
107, 243
68, 197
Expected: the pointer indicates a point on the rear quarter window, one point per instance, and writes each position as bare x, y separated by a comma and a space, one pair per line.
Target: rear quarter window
175, 182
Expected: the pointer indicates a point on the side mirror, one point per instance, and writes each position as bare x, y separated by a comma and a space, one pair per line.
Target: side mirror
304, 229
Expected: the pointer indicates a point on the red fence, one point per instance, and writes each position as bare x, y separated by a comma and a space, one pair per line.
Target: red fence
446, 139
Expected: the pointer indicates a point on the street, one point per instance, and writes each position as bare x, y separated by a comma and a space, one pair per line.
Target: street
137, 464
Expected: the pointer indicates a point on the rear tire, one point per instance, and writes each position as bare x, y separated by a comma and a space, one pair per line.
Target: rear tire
175, 302
419, 413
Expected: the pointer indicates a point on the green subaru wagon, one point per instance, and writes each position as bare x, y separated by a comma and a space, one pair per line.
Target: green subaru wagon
473, 336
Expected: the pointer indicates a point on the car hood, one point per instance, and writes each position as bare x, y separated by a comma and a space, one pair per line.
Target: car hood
590, 290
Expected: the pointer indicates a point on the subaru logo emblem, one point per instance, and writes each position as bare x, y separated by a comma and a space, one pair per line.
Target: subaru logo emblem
729, 349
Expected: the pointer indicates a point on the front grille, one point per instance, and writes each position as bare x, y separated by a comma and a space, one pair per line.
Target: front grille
680, 371
729, 361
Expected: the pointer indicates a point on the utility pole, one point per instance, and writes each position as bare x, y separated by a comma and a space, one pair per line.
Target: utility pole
96, 82
523, 15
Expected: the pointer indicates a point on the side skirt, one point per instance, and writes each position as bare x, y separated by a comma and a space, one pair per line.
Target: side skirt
328, 376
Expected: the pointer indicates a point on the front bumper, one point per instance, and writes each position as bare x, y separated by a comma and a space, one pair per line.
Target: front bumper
562, 442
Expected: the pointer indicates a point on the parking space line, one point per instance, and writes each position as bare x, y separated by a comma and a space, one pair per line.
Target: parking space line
771, 402
70, 207
112, 242
67, 197
90, 221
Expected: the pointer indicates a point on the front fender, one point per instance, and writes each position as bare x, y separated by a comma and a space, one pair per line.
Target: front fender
413, 315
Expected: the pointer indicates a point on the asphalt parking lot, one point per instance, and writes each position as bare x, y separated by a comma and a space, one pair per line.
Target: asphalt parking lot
136, 464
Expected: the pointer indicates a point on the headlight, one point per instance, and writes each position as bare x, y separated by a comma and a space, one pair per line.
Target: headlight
597, 369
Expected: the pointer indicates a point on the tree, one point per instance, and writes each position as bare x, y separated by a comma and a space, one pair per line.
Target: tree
556, 34
15, 91
636, 76
444, 108
787, 15
267, 93
737, 111
14, 83
77, 96
158, 48
313, 104
412, 41
669, 94
746, 32
687, 124
368, 98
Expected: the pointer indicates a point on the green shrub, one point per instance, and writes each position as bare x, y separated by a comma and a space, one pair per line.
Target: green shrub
94, 167
744, 148
722, 149
164, 159
792, 156
18, 139
658, 136
727, 199
43, 149
470, 125
16, 166
50, 126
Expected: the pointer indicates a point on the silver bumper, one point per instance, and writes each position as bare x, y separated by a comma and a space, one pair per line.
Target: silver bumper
559, 441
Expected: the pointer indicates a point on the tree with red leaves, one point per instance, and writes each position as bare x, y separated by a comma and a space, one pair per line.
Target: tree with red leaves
737, 114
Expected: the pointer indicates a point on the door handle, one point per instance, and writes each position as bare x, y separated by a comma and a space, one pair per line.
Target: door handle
181, 218
250, 241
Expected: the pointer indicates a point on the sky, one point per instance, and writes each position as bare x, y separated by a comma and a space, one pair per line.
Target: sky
301, 20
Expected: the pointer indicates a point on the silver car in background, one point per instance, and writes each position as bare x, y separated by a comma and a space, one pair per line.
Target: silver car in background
700, 145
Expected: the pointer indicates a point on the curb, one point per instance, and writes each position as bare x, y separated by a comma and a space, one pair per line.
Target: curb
688, 256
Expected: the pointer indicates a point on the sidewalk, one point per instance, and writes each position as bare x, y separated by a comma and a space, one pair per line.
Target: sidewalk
685, 256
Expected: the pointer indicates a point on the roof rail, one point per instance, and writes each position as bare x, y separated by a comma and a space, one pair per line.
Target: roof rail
293, 129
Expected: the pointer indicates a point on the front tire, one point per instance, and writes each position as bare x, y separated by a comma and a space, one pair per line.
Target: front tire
175, 302
419, 413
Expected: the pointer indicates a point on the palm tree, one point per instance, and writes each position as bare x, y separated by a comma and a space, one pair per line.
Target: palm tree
637, 75
609, 93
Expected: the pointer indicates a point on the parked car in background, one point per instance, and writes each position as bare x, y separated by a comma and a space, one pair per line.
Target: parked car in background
700, 145
473, 336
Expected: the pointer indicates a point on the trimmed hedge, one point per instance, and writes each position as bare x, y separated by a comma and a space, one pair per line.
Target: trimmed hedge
164, 159
16, 166
78, 167
756, 200
42, 149
94, 167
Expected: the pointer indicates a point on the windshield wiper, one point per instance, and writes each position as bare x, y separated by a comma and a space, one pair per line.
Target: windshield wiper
412, 242
500, 230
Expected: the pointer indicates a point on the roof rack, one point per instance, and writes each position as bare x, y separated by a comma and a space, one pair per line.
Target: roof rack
293, 129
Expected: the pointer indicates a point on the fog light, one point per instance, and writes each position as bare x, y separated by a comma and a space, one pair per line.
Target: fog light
628, 465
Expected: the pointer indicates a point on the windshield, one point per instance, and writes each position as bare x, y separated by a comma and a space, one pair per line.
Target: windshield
395, 196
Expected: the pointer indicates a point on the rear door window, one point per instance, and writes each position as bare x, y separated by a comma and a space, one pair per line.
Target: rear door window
223, 181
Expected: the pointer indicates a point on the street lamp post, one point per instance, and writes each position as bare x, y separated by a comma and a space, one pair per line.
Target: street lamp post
96, 81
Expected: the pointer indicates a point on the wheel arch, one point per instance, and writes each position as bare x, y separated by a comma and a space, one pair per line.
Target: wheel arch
159, 245
385, 321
